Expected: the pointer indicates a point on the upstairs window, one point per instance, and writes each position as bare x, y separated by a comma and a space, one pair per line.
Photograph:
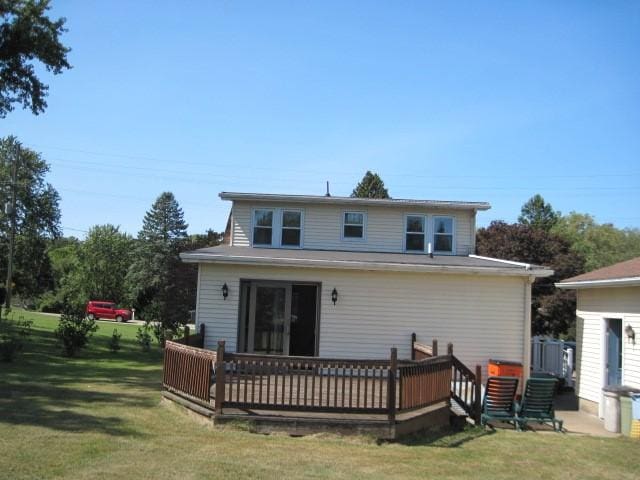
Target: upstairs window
414, 234
353, 225
291, 228
443, 234
262, 227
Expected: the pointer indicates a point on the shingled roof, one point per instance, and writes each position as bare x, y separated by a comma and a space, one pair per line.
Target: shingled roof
619, 272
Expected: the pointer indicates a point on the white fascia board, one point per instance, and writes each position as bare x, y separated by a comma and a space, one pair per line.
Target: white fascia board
356, 265
527, 266
612, 282
315, 199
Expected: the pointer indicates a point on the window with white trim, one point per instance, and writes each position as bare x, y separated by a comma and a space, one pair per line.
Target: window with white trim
262, 227
414, 233
353, 225
291, 228
443, 234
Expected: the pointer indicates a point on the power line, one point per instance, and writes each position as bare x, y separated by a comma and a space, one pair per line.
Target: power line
313, 172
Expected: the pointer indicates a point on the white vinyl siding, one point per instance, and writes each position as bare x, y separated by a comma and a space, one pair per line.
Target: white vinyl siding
385, 227
482, 316
594, 306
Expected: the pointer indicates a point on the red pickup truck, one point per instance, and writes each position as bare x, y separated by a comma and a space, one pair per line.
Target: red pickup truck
104, 309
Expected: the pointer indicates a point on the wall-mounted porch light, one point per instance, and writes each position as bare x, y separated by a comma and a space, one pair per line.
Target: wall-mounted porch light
630, 332
334, 296
225, 291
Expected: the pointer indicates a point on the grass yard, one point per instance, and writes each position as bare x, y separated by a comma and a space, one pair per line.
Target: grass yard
99, 416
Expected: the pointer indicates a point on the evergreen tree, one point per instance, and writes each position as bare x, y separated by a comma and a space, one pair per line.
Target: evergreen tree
371, 186
538, 214
155, 280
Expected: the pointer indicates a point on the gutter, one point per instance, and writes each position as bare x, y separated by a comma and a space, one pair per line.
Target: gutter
612, 282
357, 265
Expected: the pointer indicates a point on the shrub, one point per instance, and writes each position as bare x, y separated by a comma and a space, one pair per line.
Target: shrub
114, 342
13, 335
144, 338
74, 331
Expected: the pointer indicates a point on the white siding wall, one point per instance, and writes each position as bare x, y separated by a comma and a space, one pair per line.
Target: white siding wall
594, 306
482, 316
385, 227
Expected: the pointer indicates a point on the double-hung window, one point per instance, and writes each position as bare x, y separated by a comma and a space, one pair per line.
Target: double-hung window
353, 224
414, 233
443, 234
291, 228
262, 227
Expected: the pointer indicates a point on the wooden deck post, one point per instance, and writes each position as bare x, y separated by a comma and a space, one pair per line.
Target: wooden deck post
434, 347
449, 348
391, 387
413, 343
219, 378
478, 404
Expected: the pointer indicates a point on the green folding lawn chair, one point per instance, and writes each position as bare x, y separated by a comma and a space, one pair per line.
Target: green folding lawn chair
498, 401
537, 403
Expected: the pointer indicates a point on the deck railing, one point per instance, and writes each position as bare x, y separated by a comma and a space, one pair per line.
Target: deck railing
306, 383
466, 386
187, 371
425, 382
389, 386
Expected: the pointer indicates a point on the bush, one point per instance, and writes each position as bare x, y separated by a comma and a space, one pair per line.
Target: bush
114, 342
74, 331
13, 335
144, 338
49, 302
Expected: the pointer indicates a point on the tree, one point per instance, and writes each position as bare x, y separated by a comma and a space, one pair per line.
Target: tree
371, 186
103, 261
600, 244
37, 217
27, 34
538, 213
553, 310
154, 278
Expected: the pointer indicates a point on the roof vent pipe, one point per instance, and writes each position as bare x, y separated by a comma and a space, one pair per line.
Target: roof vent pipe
327, 194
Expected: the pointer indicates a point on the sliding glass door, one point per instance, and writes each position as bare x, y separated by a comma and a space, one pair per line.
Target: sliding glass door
278, 318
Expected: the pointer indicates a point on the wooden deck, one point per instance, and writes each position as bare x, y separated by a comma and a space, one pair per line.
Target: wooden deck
385, 397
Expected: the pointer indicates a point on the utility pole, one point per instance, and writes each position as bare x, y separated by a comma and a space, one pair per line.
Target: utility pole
10, 209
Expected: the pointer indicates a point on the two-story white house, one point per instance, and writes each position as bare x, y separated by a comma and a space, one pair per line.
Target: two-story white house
351, 277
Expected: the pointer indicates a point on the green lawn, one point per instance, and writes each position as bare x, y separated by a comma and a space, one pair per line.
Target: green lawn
99, 416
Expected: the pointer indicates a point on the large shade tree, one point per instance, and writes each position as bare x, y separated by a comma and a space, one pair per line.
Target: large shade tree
37, 218
28, 35
553, 310
600, 244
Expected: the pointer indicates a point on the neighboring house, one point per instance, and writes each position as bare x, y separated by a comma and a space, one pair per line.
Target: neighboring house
608, 319
352, 277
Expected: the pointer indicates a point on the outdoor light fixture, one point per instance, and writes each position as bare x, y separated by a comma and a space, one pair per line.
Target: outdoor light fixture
225, 291
334, 296
631, 334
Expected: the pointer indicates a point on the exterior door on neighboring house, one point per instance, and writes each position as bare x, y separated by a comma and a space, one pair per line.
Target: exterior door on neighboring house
614, 351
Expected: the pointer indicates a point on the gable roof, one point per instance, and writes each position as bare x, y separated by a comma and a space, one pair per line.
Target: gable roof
348, 260
354, 201
620, 274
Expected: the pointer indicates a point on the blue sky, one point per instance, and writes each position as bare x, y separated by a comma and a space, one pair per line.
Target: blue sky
445, 100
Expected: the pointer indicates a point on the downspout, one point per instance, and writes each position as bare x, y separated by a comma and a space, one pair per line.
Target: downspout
526, 361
